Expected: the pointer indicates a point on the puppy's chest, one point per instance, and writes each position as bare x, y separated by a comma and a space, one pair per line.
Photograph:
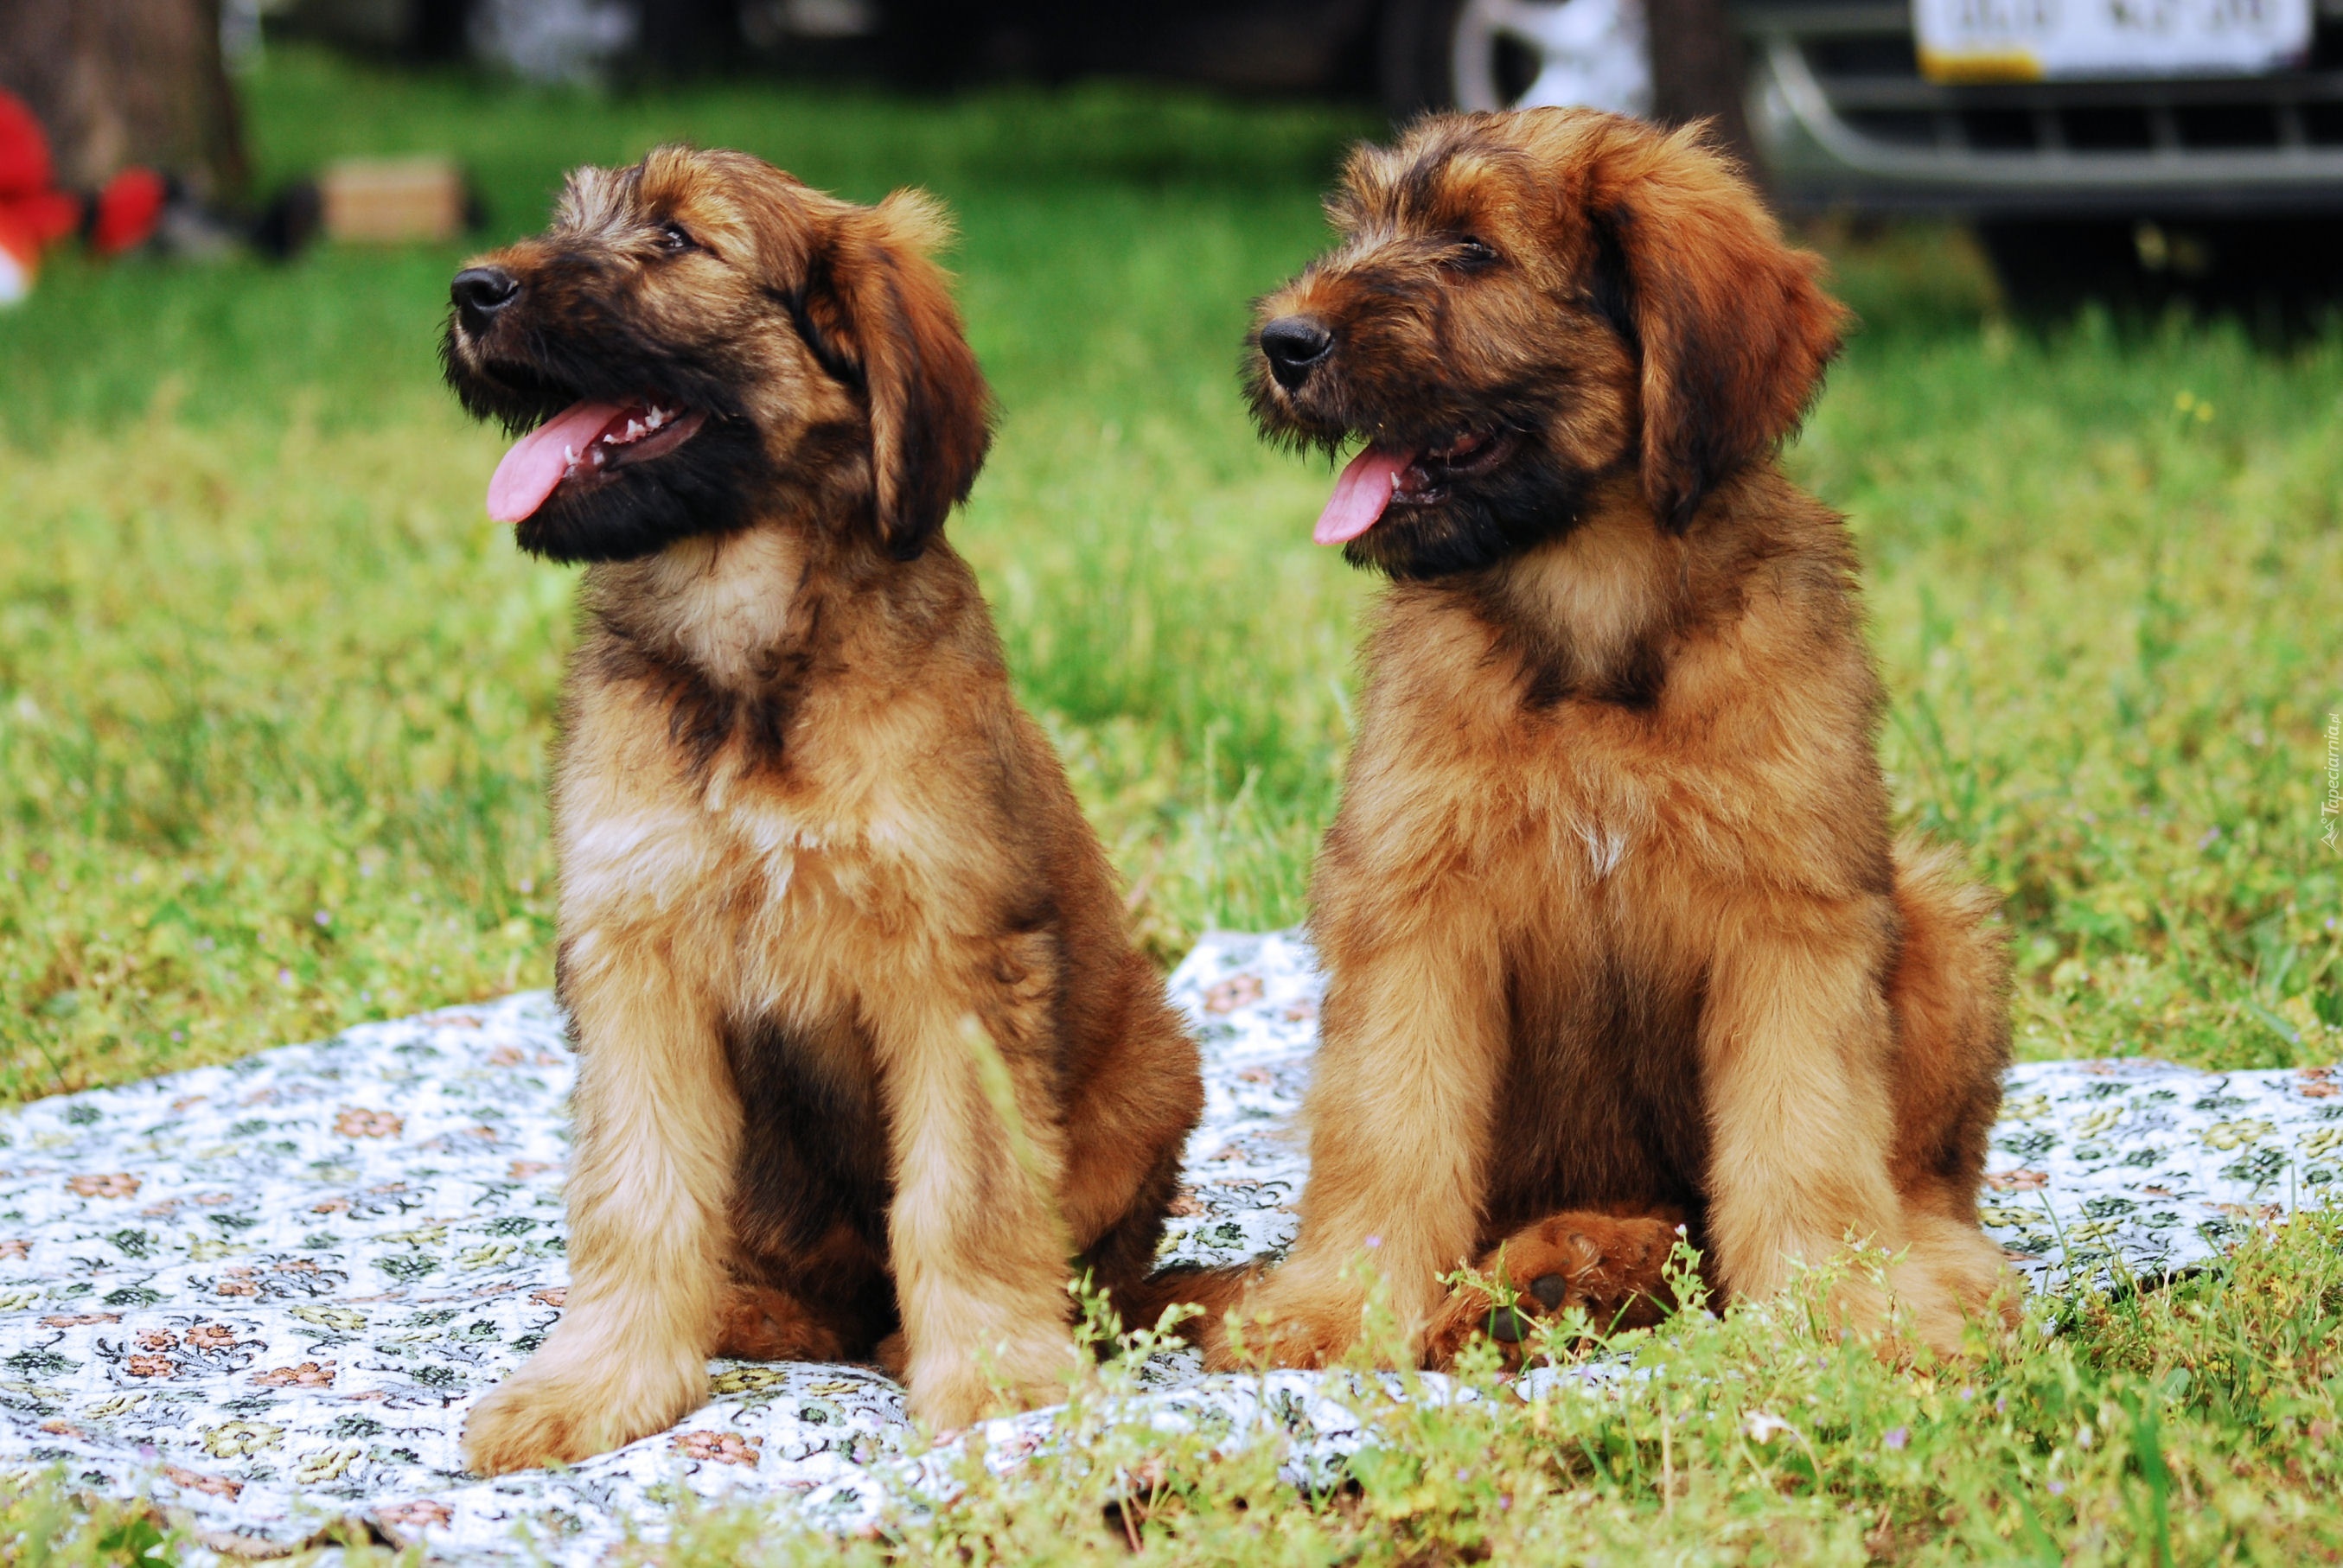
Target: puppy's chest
776, 847
1577, 791
730, 846
796, 855
1598, 832
815, 816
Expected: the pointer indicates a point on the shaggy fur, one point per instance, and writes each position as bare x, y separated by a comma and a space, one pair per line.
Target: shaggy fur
866, 1057
1611, 912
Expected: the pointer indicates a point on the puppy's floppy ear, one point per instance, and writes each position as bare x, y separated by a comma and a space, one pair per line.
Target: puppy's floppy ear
1732, 324
930, 411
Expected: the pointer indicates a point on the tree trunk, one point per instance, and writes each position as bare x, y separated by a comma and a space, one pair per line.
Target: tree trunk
120, 82
1696, 72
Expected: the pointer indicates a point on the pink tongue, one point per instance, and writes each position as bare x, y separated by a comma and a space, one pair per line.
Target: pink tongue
538, 459
1360, 495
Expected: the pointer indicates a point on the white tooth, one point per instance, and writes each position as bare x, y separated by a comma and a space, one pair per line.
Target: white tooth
570, 455
657, 417
634, 430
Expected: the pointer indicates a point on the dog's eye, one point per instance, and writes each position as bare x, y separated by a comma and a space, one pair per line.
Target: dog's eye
675, 239
1473, 254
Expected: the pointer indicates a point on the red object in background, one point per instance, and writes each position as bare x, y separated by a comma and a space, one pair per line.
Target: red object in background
129, 208
24, 166
19, 247
37, 212
32, 215
35, 215
48, 216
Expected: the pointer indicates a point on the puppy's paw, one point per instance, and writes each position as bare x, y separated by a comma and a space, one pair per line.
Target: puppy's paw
1942, 1293
1291, 1321
525, 1424
1911, 1313
561, 1414
1614, 1270
1975, 1272
953, 1386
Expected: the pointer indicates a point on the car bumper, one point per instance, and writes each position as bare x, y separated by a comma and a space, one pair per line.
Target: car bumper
1843, 118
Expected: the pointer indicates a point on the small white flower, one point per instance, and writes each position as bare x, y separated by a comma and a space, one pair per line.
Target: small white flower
1765, 1426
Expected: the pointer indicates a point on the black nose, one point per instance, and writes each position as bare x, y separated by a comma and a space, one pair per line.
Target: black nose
1295, 344
479, 292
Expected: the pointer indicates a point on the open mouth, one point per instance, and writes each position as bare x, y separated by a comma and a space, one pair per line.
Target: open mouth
1386, 476
582, 446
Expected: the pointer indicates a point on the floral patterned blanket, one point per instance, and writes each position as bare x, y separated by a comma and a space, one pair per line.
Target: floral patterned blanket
263, 1295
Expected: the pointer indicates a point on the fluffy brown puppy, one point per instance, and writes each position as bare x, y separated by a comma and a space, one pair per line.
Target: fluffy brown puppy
1611, 911
862, 1045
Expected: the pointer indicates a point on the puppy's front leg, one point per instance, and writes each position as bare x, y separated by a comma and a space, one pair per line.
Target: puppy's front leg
1401, 1105
979, 1250
656, 1131
1796, 1043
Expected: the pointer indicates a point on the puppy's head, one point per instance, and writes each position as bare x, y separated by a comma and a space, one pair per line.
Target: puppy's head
1519, 304
700, 341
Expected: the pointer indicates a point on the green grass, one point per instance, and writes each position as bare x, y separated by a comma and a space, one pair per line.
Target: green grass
274, 696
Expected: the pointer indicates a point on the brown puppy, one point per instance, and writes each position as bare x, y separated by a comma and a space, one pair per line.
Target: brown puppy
862, 1044
1611, 911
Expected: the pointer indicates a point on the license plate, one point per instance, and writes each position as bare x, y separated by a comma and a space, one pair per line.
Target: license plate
2051, 40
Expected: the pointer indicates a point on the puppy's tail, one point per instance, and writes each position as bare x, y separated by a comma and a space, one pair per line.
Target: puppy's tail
1214, 1291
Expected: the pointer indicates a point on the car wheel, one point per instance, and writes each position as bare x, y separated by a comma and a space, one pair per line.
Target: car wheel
1515, 53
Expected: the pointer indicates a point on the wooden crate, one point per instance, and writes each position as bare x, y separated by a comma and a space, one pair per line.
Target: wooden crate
392, 201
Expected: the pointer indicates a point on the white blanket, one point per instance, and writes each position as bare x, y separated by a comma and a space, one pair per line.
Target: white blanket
263, 1295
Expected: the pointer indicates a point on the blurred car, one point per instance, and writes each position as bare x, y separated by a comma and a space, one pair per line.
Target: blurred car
2219, 109
2134, 147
